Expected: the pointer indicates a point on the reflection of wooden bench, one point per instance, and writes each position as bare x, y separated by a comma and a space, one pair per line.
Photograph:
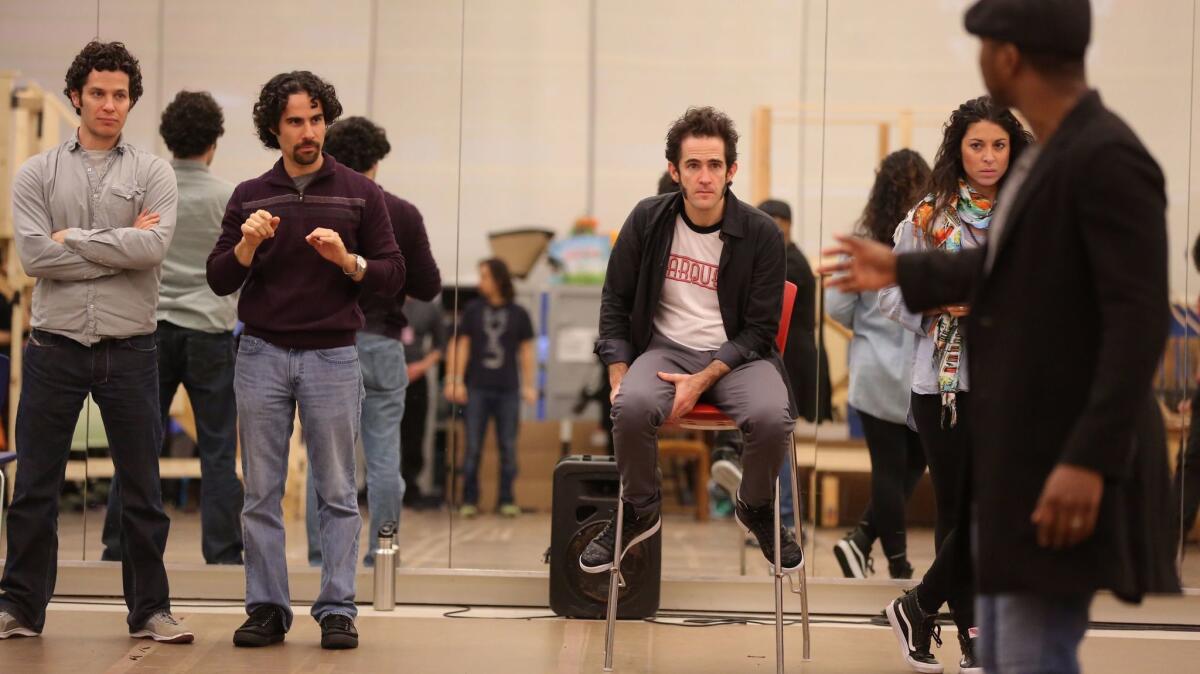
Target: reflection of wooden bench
698, 451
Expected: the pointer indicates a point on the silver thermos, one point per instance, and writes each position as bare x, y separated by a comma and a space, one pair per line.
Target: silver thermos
385, 568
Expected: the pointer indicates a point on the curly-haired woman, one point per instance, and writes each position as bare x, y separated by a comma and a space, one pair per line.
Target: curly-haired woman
979, 142
880, 374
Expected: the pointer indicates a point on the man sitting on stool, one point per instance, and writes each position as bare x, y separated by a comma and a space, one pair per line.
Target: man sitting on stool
690, 308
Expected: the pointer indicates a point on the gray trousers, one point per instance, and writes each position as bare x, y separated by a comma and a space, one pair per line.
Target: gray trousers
753, 395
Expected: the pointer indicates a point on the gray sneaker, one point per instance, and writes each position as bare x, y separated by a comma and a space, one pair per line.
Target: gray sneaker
11, 627
163, 627
728, 475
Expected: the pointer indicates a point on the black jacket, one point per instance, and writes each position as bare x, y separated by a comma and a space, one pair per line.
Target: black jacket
1066, 331
807, 365
750, 280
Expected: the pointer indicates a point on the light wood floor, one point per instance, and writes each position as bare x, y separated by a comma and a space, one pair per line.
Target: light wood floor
492, 542
92, 639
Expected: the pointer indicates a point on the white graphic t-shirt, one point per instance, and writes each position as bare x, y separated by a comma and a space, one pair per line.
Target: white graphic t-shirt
688, 312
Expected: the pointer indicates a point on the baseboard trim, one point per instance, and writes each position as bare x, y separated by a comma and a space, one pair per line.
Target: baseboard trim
484, 587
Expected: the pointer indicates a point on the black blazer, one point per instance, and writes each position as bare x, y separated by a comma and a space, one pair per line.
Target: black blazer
750, 279
1065, 333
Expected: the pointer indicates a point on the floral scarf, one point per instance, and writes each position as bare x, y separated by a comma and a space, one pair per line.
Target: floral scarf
970, 208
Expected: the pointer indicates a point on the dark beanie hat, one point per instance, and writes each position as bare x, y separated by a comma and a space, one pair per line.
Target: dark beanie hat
1051, 26
776, 209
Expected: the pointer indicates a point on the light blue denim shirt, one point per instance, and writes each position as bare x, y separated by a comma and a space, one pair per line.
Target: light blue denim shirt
880, 355
891, 304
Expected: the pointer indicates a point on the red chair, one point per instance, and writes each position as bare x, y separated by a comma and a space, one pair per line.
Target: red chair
706, 417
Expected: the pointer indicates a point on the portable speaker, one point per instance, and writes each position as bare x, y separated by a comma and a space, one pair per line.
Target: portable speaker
585, 498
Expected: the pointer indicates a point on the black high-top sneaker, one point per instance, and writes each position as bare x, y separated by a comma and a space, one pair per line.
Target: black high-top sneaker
914, 629
853, 554
597, 557
761, 522
969, 663
900, 568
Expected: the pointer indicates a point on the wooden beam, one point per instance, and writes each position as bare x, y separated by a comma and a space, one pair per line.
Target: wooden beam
760, 133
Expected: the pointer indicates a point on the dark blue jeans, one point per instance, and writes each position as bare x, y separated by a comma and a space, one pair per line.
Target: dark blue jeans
57, 376
505, 407
203, 363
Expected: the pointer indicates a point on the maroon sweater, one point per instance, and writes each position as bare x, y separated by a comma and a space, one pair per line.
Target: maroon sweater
385, 315
291, 296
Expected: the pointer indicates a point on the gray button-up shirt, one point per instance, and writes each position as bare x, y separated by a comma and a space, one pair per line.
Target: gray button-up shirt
184, 298
103, 281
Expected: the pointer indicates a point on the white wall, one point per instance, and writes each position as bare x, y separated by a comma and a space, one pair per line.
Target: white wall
524, 91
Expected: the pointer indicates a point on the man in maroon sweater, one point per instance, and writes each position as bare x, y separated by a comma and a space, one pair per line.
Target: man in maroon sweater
359, 144
301, 242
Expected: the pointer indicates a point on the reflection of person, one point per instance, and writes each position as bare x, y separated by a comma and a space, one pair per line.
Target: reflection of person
300, 288
977, 145
807, 365
424, 339
690, 308
494, 333
92, 221
1187, 470
880, 381
1070, 481
358, 144
195, 331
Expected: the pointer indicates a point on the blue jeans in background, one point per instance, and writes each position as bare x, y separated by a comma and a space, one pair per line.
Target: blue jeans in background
1031, 633
503, 405
385, 378
326, 385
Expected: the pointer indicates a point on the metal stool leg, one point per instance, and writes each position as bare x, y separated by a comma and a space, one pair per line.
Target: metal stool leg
614, 584
778, 587
797, 514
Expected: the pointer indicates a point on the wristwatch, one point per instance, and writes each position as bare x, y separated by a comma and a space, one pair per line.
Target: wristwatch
360, 266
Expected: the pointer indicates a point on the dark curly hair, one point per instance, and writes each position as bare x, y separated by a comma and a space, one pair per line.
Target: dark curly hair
273, 99
191, 124
357, 142
706, 122
900, 182
103, 56
947, 164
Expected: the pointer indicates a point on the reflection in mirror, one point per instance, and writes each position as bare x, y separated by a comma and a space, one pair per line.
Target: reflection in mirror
870, 115
214, 149
574, 163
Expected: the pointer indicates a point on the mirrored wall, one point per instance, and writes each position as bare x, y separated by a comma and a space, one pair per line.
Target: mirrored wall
527, 131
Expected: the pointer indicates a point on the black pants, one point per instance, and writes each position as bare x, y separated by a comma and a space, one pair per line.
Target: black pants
948, 453
1187, 471
412, 437
203, 363
897, 463
58, 374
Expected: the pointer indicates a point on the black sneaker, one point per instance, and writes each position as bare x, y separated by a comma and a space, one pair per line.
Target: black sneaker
853, 554
969, 664
337, 632
914, 628
597, 557
264, 627
761, 522
900, 569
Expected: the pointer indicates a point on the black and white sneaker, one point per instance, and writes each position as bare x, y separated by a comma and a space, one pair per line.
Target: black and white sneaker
265, 626
597, 557
969, 663
900, 569
914, 629
11, 627
761, 522
337, 632
853, 554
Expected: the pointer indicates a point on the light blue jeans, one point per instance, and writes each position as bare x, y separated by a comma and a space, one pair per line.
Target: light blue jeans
1031, 633
385, 378
270, 382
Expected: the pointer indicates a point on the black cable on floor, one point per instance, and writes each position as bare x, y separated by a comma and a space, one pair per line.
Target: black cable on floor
458, 614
